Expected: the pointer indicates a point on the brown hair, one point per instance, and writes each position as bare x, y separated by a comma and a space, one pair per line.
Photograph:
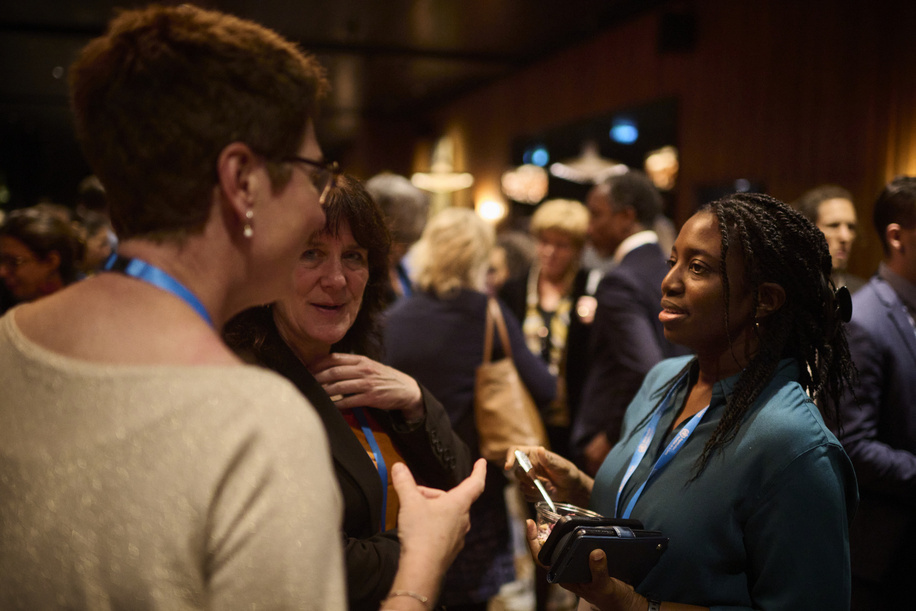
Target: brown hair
165, 90
253, 331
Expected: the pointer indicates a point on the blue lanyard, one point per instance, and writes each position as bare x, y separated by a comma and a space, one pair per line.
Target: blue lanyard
379, 459
406, 285
673, 448
158, 278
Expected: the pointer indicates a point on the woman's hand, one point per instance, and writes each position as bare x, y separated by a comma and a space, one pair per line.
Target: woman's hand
353, 380
563, 480
604, 592
431, 527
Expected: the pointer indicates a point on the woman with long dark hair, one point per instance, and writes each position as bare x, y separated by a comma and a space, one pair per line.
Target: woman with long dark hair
725, 452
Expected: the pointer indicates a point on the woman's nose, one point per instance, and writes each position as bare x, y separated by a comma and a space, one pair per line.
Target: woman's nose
333, 275
671, 282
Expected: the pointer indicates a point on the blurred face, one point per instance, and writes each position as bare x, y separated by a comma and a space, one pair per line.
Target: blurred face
693, 304
25, 275
326, 293
557, 253
836, 218
98, 248
606, 226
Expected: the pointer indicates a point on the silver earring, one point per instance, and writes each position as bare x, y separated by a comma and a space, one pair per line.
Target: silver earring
247, 231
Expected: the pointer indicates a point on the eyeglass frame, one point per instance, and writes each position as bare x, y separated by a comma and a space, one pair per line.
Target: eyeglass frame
14, 262
331, 167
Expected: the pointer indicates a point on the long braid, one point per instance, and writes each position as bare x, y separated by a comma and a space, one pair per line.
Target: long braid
779, 245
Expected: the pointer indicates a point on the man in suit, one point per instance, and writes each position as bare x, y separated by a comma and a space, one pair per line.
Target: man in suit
830, 207
879, 418
627, 338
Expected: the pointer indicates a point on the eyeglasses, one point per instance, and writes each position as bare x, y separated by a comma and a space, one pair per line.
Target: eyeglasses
14, 262
324, 177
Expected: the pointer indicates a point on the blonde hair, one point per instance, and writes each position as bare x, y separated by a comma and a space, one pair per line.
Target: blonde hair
453, 253
566, 215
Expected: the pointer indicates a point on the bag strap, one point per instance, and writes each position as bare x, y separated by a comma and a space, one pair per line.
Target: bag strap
494, 314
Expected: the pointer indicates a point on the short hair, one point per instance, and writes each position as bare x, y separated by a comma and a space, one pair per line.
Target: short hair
564, 215
165, 90
633, 189
43, 231
895, 204
453, 252
811, 200
405, 206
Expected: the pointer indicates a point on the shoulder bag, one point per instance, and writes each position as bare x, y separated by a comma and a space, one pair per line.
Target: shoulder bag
503, 408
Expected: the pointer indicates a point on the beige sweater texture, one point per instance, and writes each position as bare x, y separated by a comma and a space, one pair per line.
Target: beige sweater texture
136, 487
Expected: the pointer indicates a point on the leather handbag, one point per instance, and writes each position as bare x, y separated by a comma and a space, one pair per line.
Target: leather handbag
503, 408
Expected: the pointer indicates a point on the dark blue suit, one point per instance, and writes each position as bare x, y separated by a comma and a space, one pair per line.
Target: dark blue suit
627, 340
879, 434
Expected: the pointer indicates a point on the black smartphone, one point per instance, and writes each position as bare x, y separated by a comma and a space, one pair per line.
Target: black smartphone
567, 524
631, 554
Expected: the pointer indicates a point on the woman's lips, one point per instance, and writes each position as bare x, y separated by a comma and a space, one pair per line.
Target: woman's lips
324, 307
670, 312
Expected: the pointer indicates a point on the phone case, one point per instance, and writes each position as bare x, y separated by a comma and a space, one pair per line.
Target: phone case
567, 524
630, 554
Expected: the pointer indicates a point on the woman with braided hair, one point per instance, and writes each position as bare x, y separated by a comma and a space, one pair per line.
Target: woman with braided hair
725, 451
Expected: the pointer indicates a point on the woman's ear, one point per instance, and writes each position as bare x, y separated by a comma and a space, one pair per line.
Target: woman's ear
238, 180
770, 297
51, 261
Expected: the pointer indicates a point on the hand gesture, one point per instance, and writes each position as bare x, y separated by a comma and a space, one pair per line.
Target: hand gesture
353, 380
432, 523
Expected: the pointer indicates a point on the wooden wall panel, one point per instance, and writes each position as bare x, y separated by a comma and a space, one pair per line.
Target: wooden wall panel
793, 94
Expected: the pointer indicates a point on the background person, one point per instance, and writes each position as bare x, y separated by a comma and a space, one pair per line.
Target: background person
39, 253
626, 339
757, 497
546, 301
436, 336
879, 417
406, 209
322, 335
830, 207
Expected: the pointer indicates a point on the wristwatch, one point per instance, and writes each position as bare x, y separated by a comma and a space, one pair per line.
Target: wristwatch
654, 605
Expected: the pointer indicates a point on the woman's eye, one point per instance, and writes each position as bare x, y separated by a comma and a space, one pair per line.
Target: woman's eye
671, 263
355, 257
697, 268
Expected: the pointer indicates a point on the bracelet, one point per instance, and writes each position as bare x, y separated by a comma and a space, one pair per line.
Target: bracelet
654, 605
414, 595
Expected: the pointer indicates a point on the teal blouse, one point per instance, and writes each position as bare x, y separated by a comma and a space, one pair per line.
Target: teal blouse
765, 526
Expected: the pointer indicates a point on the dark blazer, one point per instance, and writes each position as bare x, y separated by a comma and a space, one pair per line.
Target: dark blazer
879, 434
626, 341
515, 295
436, 457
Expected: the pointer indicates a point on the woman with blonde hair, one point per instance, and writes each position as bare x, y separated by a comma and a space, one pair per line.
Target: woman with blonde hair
552, 305
436, 336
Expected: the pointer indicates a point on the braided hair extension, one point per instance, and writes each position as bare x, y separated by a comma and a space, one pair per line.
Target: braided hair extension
779, 245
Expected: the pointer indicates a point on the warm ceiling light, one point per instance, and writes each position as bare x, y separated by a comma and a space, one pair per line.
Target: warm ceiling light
442, 178
589, 167
526, 184
491, 210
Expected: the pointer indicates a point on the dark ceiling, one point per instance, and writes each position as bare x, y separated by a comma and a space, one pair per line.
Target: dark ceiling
386, 58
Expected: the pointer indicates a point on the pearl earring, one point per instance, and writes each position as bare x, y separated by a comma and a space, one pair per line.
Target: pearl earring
247, 231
